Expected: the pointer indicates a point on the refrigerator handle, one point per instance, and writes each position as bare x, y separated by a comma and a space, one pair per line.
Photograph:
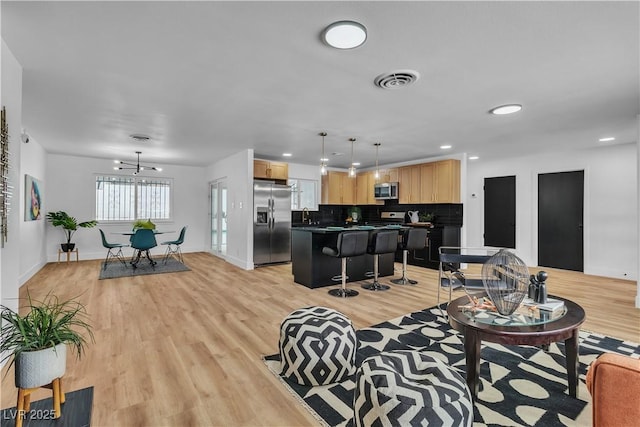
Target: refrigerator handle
271, 207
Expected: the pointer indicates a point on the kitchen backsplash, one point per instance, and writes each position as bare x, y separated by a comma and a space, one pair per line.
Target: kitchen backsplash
444, 213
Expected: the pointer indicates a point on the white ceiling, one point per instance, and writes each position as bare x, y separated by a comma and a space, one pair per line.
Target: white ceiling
207, 79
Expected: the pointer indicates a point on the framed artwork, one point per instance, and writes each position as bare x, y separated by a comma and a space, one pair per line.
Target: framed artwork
32, 198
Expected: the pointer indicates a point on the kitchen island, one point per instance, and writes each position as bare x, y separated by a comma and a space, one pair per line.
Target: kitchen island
314, 269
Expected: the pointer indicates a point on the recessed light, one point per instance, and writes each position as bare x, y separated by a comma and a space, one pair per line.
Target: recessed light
286, 154
607, 139
473, 157
506, 109
445, 147
345, 34
324, 159
355, 164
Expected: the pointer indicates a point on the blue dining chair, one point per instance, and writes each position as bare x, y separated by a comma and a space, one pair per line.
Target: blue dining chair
173, 246
112, 246
143, 240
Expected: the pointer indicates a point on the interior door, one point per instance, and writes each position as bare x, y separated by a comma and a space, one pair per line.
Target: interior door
500, 212
560, 220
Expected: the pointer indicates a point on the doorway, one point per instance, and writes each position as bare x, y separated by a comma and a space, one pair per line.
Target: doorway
560, 220
500, 212
218, 197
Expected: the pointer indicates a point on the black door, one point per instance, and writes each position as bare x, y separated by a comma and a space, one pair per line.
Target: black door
500, 212
560, 216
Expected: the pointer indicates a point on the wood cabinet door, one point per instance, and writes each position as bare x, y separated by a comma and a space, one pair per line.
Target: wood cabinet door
409, 184
348, 190
279, 170
428, 188
332, 188
391, 175
447, 181
440, 182
362, 188
260, 169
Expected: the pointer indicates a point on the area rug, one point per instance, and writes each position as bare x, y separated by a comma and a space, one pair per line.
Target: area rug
76, 411
519, 385
117, 269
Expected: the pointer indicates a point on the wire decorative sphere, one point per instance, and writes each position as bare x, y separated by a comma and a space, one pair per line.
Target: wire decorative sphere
506, 280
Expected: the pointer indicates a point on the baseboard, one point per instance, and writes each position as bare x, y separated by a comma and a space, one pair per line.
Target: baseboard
31, 272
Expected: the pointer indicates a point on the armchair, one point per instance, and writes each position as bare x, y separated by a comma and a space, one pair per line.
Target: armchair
614, 383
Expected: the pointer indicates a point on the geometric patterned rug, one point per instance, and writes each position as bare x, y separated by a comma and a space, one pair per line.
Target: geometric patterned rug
519, 385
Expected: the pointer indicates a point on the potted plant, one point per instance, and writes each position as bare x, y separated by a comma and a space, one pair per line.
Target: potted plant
37, 341
69, 225
142, 224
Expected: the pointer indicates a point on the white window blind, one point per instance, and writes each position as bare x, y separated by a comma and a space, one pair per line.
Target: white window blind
120, 198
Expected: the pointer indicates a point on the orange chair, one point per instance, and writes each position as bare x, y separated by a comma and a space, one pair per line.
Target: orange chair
614, 383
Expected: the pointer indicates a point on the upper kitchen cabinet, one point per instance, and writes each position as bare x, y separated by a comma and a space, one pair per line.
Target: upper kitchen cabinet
388, 175
440, 182
338, 189
409, 184
265, 169
365, 182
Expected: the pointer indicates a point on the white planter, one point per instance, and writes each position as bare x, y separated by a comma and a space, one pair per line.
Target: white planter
38, 368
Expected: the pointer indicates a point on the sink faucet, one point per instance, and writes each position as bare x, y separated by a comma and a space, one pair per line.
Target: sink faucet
305, 215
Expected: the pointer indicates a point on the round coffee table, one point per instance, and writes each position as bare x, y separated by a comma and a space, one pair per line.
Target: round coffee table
517, 330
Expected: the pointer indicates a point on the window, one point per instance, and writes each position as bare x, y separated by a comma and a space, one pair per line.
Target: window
123, 198
304, 193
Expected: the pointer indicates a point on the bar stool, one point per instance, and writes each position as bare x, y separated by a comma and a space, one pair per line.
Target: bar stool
412, 239
349, 244
380, 242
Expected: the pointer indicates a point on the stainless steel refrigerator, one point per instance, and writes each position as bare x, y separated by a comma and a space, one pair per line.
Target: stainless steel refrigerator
271, 223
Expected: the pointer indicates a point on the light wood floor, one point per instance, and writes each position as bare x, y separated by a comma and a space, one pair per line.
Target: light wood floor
183, 349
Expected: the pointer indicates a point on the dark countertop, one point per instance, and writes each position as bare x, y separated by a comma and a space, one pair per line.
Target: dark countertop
325, 230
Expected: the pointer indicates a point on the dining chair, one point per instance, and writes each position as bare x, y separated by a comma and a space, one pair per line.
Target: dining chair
173, 246
111, 247
143, 240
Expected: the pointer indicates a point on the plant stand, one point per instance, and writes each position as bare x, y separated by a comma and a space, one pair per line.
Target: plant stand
60, 252
24, 400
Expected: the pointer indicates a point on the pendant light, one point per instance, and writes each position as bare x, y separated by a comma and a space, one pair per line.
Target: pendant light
377, 174
352, 169
323, 159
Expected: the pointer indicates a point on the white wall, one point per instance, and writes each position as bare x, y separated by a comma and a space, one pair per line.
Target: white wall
610, 211
32, 233
11, 98
71, 188
237, 170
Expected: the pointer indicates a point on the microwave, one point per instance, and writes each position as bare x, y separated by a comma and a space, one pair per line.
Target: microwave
385, 190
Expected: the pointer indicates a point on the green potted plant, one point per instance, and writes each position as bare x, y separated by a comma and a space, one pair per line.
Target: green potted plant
69, 225
37, 341
142, 224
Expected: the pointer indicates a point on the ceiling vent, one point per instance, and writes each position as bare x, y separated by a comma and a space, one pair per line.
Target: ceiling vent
139, 137
396, 79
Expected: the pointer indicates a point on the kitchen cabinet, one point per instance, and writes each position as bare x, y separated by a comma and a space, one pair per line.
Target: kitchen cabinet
440, 182
338, 189
409, 184
364, 189
265, 169
388, 175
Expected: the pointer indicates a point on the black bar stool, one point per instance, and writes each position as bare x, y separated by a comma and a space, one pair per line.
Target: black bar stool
412, 239
380, 242
349, 244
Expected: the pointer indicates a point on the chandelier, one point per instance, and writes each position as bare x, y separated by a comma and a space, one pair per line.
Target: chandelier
136, 167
